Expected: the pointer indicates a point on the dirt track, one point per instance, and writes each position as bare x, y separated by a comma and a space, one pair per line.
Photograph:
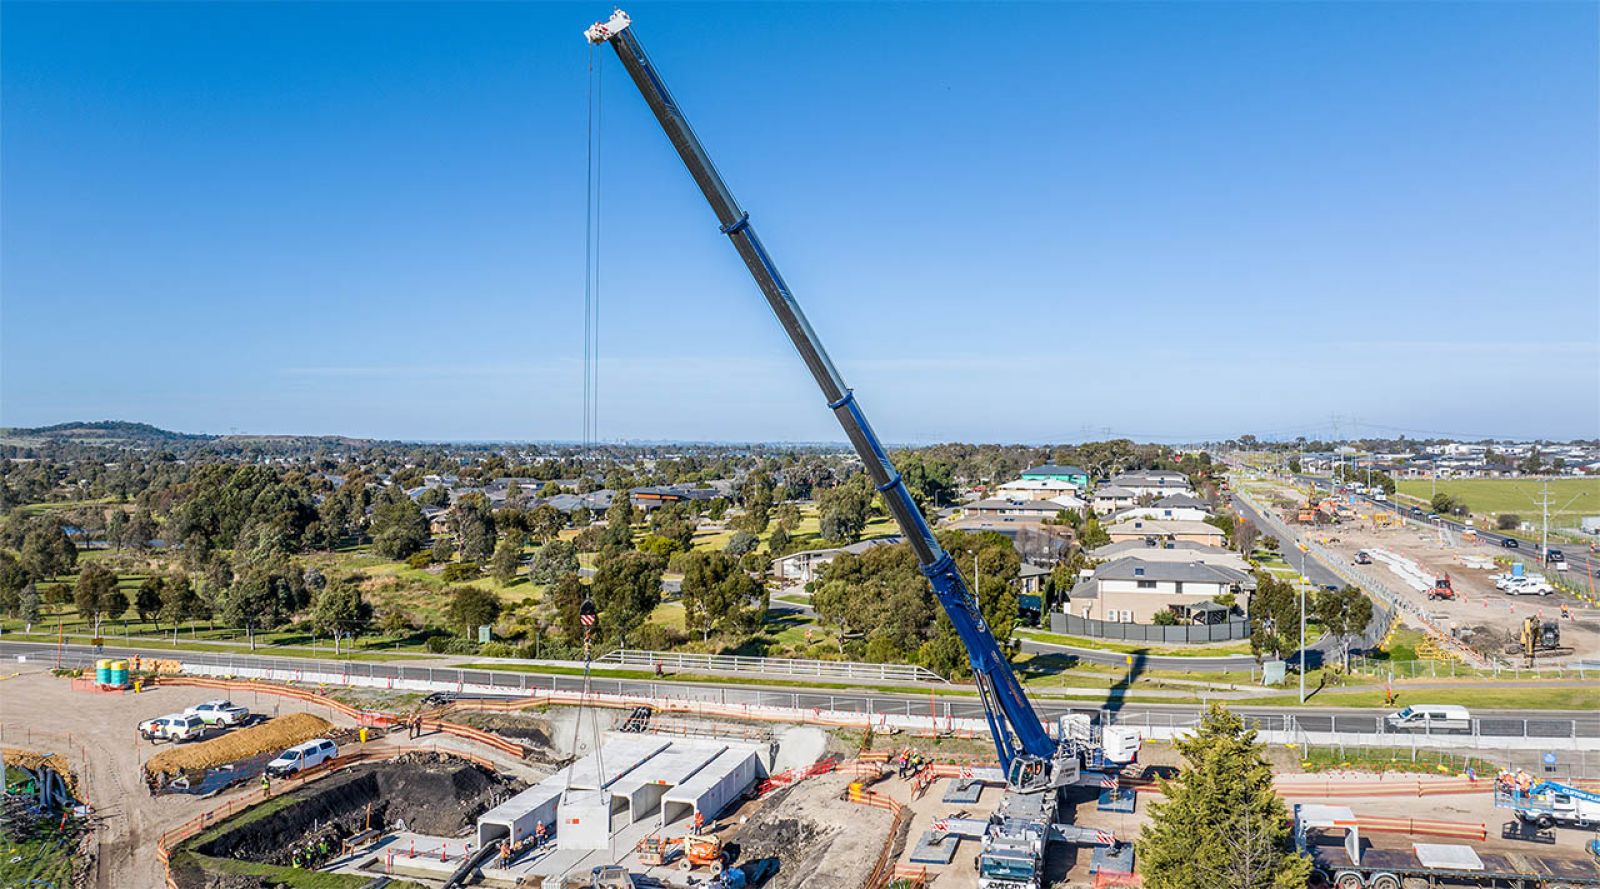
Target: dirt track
97, 733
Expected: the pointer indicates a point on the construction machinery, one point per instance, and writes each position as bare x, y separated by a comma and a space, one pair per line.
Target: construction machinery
1031, 760
1549, 803
1442, 588
1537, 638
695, 849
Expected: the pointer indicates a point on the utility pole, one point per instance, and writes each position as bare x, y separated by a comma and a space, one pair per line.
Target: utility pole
1303, 549
1544, 533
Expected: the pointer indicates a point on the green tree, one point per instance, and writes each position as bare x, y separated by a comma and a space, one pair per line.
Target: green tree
1344, 613
470, 607
435, 496
717, 593
1222, 825
473, 520
1274, 616
553, 561
565, 598
757, 497
148, 600
507, 558
46, 549
1092, 535
545, 522
339, 608
28, 604
743, 542
12, 579
626, 588
93, 591
778, 542
1507, 521
844, 508
997, 584
179, 602
398, 526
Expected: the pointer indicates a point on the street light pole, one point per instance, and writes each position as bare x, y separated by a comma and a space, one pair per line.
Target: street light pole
1303, 549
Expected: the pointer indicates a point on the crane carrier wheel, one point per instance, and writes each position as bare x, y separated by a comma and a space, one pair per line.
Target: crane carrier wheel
1384, 881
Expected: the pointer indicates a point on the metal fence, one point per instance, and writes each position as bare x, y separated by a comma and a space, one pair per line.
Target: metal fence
1182, 634
768, 666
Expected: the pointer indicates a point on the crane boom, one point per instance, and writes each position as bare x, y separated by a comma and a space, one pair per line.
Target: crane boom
1006, 707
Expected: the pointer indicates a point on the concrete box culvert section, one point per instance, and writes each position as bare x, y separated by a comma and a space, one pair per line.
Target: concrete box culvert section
517, 818
714, 788
643, 788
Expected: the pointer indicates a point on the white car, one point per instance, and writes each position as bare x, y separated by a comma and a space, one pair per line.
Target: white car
220, 713
314, 752
173, 727
1430, 718
1529, 586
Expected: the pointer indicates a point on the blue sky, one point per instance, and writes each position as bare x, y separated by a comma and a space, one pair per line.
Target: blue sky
1016, 223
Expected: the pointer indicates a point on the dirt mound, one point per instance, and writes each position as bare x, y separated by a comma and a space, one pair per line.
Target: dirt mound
431, 795
270, 736
818, 838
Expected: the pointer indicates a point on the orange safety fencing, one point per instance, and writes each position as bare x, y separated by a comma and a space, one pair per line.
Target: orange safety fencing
1109, 880
375, 718
909, 876
194, 826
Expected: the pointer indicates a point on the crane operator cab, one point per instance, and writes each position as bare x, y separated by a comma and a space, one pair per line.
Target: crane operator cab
1034, 774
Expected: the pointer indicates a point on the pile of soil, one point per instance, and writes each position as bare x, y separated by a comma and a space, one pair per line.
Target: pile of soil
818, 838
272, 736
432, 795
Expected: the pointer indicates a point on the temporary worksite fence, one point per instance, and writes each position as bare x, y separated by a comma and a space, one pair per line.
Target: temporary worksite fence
768, 666
939, 713
1183, 634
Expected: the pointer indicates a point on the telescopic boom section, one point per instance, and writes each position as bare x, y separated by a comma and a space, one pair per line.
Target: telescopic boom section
1007, 708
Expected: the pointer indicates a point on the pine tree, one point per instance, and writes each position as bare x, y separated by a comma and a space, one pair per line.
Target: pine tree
1222, 825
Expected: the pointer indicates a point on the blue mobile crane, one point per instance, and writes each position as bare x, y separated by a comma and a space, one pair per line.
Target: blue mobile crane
1032, 761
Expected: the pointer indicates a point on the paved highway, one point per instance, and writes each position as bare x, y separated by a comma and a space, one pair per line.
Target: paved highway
1545, 724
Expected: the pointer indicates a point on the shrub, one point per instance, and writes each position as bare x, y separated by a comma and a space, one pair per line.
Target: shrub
457, 571
497, 649
1165, 619
419, 560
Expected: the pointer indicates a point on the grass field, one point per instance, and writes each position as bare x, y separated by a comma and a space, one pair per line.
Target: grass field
1570, 498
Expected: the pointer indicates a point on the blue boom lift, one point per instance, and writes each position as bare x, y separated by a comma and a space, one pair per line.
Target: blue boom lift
1032, 761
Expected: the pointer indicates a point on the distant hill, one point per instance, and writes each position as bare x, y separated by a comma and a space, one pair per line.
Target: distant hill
100, 432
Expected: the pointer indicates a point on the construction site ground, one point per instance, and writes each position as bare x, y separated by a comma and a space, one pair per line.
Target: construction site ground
1478, 606
98, 734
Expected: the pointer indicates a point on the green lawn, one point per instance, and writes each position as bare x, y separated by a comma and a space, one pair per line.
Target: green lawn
1570, 498
1487, 698
1219, 650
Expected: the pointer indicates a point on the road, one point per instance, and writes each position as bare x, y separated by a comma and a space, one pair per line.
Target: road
1550, 724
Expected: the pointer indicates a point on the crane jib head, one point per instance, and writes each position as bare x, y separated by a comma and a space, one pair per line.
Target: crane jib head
600, 32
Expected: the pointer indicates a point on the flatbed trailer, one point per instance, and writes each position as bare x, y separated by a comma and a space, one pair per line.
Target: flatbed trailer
1343, 858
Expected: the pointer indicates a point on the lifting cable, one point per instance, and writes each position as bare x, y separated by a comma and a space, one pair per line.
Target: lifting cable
588, 614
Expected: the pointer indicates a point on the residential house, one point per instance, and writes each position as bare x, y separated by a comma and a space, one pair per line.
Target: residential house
803, 567
1132, 590
1170, 551
1166, 513
1156, 529
1153, 483
1071, 474
1037, 489
1110, 498
649, 498
1013, 510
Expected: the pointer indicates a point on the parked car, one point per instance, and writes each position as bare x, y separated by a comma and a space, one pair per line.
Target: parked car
1501, 580
1510, 543
1430, 718
173, 727
1554, 556
1433, 516
312, 753
1529, 586
220, 712
1363, 557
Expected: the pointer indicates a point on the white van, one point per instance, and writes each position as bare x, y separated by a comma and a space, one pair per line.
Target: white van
173, 727
314, 752
1430, 718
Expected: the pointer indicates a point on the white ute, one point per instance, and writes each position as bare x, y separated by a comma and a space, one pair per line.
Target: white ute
220, 713
314, 752
1430, 718
173, 727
